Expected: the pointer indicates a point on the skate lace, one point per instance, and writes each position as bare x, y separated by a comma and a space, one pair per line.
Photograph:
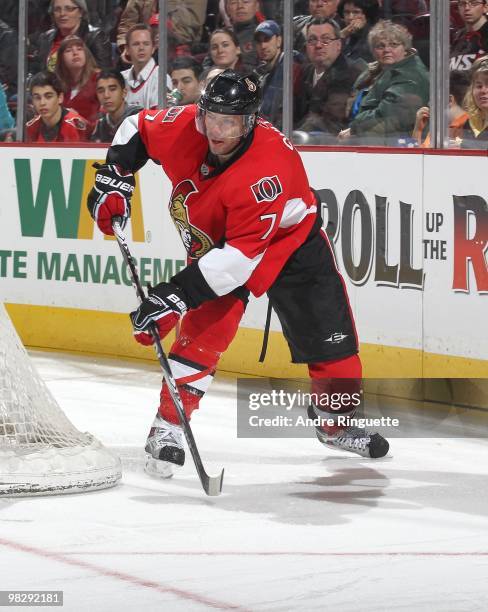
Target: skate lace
355, 438
167, 434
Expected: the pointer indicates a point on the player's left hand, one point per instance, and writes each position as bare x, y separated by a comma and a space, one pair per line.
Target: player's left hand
110, 196
164, 306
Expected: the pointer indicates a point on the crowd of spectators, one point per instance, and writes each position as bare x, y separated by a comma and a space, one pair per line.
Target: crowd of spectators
359, 67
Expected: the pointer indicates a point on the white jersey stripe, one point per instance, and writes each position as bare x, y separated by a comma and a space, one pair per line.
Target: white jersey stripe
128, 128
295, 211
226, 269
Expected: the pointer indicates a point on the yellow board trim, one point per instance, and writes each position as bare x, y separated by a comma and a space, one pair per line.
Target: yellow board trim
109, 333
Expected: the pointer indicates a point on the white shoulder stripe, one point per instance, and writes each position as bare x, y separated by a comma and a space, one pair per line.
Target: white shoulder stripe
128, 128
226, 269
295, 211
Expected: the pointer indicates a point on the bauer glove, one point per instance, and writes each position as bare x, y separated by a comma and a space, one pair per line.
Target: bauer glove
164, 306
110, 196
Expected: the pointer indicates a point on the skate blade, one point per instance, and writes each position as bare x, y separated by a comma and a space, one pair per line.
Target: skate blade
344, 449
157, 468
329, 443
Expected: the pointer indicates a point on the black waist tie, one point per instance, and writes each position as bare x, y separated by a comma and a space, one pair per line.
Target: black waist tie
264, 348
316, 227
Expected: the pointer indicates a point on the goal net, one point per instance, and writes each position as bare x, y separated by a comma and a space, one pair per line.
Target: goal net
41, 452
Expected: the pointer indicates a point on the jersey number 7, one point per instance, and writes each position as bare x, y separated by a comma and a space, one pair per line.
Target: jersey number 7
272, 217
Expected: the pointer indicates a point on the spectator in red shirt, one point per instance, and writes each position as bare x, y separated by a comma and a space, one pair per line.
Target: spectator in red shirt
53, 122
77, 72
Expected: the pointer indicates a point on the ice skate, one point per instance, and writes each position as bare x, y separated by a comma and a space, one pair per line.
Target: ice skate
353, 439
356, 440
164, 448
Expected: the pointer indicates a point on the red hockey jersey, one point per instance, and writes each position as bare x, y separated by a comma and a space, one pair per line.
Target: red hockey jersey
71, 128
241, 221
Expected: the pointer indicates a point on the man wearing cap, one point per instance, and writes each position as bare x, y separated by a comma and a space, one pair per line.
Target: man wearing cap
268, 40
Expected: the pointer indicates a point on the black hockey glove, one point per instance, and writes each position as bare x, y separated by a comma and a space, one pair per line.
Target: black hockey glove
164, 305
110, 197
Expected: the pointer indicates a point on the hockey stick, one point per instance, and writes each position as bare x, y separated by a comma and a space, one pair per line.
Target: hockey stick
212, 485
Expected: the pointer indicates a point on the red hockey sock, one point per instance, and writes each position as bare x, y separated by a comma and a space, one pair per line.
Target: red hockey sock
336, 388
193, 368
350, 367
205, 334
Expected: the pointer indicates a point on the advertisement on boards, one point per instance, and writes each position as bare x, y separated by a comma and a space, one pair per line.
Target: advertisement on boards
409, 232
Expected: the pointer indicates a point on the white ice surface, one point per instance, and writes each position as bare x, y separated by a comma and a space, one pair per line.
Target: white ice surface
296, 528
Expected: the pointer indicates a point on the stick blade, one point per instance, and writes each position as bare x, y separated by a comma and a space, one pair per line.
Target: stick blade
213, 485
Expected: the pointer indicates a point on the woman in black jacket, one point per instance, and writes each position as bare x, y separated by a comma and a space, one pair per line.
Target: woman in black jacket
71, 17
360, 16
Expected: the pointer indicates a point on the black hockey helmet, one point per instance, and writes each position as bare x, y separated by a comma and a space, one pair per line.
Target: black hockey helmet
230, 93
234, 94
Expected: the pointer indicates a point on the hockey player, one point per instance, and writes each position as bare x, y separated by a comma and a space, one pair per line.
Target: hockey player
250, 223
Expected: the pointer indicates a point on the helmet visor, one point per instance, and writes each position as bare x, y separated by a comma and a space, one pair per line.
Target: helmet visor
223, 127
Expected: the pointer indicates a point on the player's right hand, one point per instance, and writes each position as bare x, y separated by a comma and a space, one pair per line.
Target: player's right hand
110, 196
164, 327
163, 306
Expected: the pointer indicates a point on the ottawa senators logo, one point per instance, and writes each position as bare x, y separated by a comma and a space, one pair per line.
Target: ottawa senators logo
196, 242
267, 189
